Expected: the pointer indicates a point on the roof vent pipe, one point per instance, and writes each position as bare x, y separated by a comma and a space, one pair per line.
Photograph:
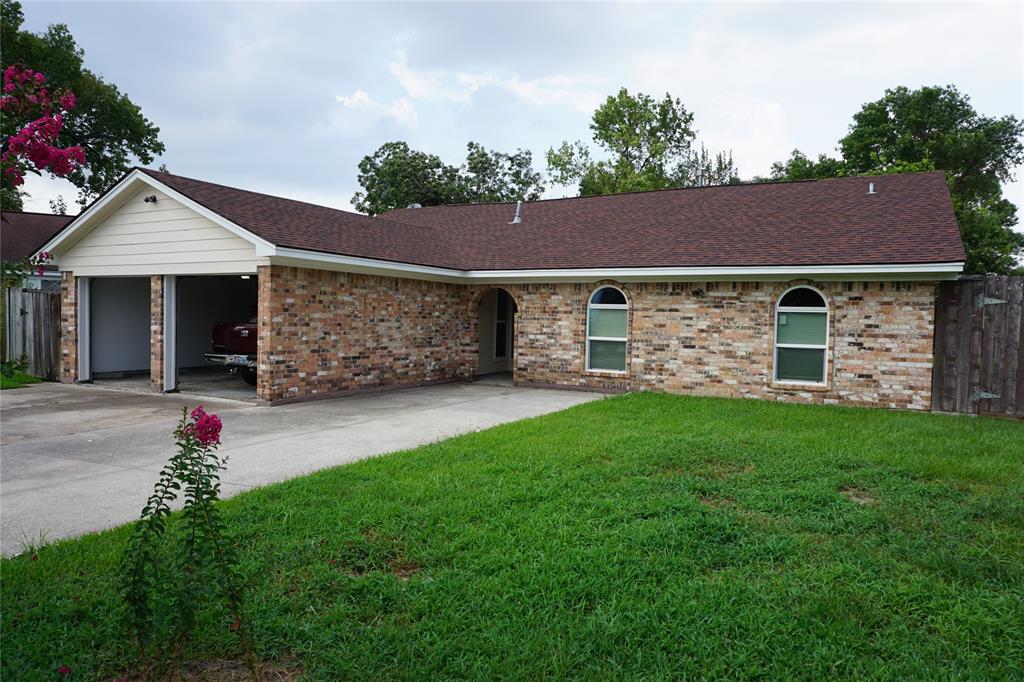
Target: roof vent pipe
871, 188
519, 213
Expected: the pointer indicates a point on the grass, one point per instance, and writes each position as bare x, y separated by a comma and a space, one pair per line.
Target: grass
643, 536
17, 380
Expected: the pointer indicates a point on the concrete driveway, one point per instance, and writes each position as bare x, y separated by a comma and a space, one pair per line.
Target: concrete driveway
81, 458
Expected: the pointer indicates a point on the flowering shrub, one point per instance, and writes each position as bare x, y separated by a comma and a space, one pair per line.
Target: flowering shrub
166, 581
26, 102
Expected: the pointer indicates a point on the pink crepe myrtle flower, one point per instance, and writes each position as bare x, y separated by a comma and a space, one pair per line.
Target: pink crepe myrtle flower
205, 427
33, 147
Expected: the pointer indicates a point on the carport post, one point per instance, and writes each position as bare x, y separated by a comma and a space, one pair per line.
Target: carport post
170, 333
82, 314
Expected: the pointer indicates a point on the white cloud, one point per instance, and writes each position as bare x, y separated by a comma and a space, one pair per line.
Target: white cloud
578, 92
359, 112
429, 84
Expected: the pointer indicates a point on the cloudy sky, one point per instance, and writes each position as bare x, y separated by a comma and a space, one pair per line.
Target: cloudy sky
286, 98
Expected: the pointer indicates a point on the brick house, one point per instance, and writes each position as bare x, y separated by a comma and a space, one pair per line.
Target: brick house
817, 291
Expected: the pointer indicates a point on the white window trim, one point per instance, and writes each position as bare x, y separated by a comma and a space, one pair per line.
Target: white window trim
589, 338
814, 346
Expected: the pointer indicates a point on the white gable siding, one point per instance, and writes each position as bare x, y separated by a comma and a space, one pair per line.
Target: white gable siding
162, 238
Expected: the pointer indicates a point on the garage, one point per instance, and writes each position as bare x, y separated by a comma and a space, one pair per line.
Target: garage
155, 274
224, 305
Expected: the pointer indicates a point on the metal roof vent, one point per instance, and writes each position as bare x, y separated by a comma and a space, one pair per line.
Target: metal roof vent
871, 188
519, 213
415, 205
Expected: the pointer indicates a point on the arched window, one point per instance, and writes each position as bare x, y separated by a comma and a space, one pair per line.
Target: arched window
607, 314
801, 336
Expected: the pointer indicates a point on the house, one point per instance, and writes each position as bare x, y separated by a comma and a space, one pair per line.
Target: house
815, 291
20, 237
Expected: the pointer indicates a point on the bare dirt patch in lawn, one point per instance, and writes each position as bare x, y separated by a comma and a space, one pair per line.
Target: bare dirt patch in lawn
715, 502
719, 469
858, 495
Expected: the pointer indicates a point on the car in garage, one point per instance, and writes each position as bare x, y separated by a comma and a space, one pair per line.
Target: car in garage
234, 345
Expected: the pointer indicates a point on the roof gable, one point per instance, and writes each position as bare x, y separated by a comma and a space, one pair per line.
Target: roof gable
150, 232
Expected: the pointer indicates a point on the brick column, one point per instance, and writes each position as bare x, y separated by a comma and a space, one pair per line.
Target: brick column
68, 328
265, 334
156, 332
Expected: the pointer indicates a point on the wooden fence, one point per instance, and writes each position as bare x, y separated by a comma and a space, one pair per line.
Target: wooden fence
979, 347
33, 330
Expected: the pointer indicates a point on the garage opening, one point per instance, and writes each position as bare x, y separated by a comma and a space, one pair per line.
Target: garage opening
215, 335
496, 323
119, 338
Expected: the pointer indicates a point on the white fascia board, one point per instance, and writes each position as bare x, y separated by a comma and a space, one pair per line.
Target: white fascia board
369, 266
315, 259
130, 184
928, 271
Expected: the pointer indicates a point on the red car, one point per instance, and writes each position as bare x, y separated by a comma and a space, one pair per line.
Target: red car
234, 345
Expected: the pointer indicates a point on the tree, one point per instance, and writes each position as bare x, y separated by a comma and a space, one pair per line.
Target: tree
396, 176
495, 176
105, 123
799, 167
937, 128
648, 144
33, 118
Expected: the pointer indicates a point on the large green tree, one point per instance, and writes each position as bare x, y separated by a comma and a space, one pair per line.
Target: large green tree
396, 176
645, 144
937, 128
105, 123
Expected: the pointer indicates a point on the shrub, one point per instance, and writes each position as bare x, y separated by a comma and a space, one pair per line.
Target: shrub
168, 576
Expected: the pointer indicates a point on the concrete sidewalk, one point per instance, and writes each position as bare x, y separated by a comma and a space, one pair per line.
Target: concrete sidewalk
81, 458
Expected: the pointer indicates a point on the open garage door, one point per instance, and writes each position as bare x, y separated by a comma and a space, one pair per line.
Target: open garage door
223, 306
119, 329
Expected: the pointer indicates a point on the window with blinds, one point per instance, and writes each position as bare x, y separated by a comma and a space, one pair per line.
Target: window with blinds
801, 336
607, 328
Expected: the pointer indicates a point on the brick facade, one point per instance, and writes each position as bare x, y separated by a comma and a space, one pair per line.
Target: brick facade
68, 328
715, 338
324, 332
156, 332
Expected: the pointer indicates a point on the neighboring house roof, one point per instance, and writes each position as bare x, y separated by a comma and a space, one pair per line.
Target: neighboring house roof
785, 228
22, 234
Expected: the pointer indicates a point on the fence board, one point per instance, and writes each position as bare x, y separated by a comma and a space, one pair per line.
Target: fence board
33, 330
979, 346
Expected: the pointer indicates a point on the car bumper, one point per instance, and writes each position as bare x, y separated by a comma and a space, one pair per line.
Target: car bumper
232, 360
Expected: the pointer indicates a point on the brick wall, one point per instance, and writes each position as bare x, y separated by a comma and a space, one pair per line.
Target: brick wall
715, 338
156, 332
68, 328
324, 332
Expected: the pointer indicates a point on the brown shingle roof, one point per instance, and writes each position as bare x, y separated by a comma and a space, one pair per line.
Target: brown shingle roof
297, 224
823, 222
22, 234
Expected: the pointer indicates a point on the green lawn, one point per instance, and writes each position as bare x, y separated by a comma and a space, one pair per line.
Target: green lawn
17, 380
643, 536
